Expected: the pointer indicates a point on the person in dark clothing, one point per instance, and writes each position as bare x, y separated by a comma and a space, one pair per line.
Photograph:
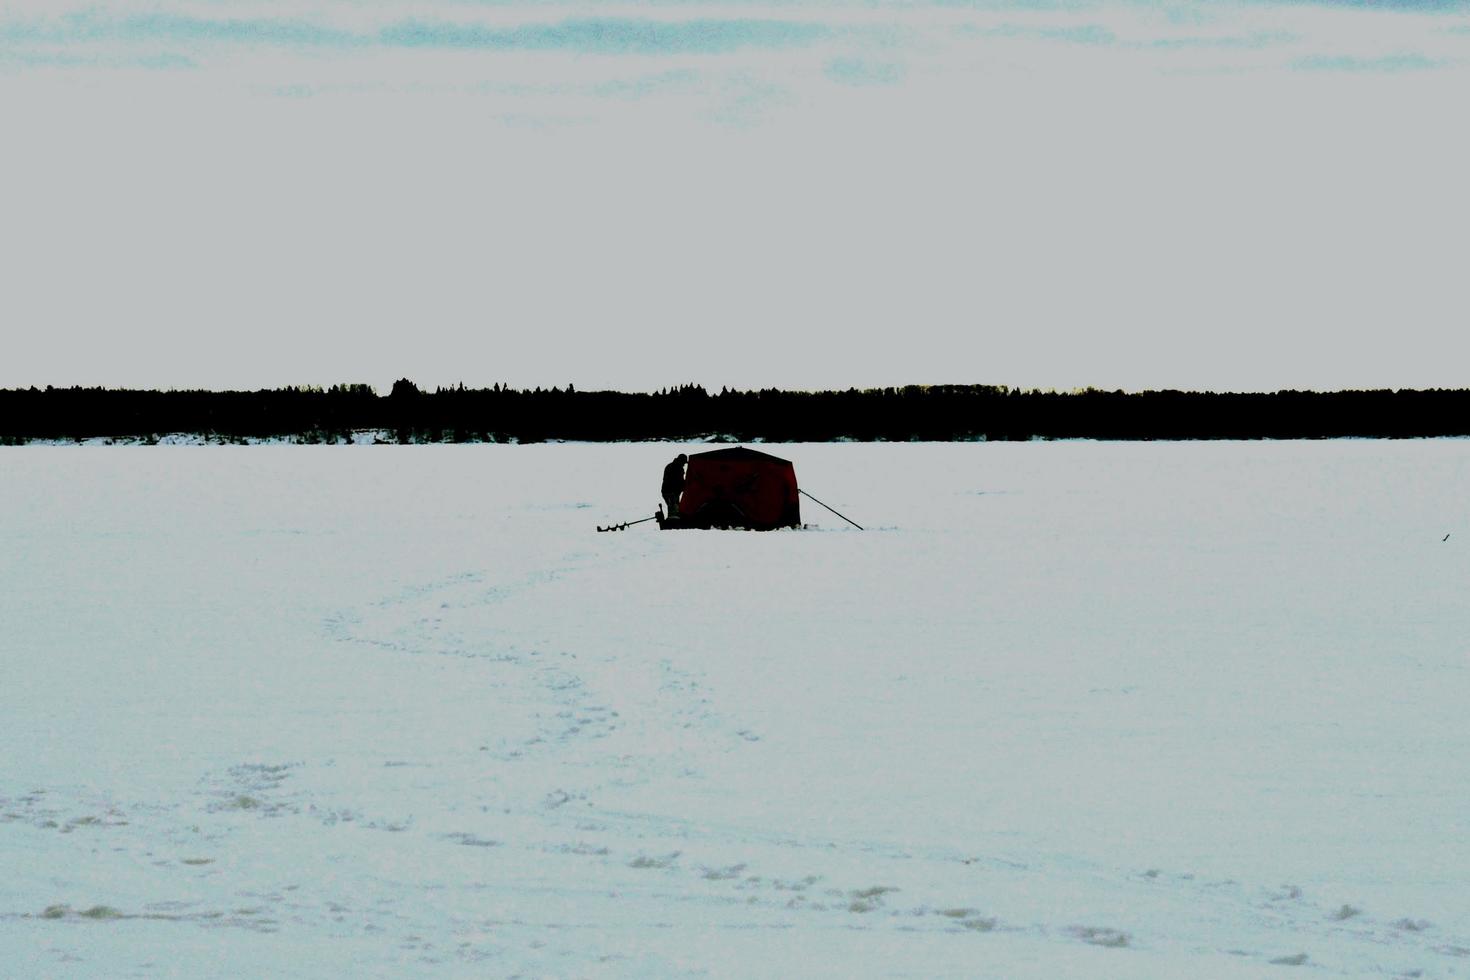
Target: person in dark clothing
673, 484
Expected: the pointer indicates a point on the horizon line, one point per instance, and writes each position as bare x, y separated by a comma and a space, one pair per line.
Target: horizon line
573, 388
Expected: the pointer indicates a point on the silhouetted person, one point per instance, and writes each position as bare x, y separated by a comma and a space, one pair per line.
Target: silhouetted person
674, 484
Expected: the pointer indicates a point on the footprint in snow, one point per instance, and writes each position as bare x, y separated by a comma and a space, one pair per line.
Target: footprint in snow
1097, 936
644, 861
970, 919
723, 874
1298, 959
868, 899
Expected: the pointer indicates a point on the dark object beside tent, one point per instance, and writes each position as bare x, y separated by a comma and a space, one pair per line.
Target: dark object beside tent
737, 488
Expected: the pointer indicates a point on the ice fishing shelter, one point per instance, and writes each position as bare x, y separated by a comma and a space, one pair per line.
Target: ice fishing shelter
738, 488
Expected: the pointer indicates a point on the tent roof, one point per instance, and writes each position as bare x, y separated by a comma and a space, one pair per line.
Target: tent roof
737, 453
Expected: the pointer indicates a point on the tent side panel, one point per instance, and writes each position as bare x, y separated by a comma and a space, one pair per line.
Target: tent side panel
763, 490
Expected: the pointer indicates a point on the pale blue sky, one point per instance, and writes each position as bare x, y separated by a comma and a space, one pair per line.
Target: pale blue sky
806, 194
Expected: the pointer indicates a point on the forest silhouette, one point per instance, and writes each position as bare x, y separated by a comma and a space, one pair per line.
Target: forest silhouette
688, 412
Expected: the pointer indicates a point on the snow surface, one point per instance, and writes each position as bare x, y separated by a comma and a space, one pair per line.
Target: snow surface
1065, 710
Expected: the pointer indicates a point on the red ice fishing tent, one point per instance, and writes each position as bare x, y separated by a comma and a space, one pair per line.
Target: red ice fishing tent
738, 488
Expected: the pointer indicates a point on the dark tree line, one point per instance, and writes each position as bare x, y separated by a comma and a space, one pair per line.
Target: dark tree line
916, 412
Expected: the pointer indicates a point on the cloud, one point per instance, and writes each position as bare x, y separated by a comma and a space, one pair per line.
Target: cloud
794, 49
1409, 6
92, 28
610, 36
66, 59
641, 86
1386, 63
863, 71
1136, 33
1251, 41
629, 35
231, 30
1092, 34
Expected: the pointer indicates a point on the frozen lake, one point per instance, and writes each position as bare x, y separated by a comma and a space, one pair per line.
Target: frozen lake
1065, 709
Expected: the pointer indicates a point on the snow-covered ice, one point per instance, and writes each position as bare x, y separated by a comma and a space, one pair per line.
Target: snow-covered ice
1065, 709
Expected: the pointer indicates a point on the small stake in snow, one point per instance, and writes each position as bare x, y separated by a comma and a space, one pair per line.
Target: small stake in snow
623, 526
843, 516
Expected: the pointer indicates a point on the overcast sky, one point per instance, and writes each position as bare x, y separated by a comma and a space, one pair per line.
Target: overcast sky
752, 193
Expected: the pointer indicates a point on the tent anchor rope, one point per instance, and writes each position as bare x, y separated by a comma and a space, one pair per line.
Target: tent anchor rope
843, 516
